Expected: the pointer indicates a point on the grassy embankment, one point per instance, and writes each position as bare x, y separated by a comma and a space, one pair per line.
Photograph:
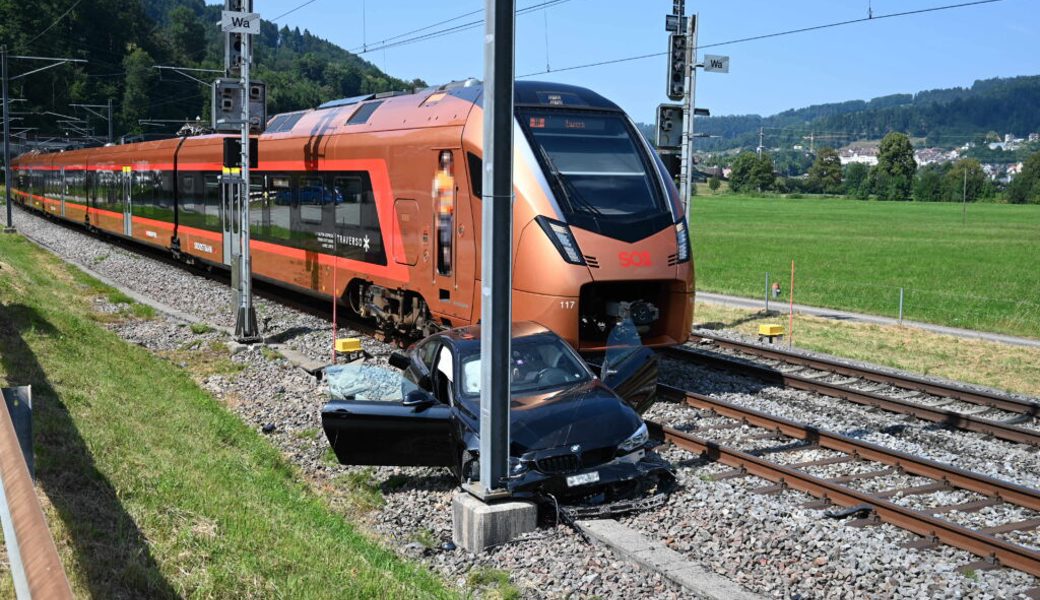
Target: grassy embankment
152, 489
855, 255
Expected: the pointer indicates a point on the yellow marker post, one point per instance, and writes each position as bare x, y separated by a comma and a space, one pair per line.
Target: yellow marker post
345, 345
770, 331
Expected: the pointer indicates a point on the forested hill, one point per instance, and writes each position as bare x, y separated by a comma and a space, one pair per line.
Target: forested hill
122, 40
947, 117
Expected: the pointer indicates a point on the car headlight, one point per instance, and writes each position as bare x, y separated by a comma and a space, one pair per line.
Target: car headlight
561, 237
682, 241
636, 440
516, 466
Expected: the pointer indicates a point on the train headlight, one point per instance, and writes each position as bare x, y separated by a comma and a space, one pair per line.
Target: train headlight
682, 242
561, 237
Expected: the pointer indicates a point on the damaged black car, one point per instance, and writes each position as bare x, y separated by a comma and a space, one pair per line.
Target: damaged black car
575, 438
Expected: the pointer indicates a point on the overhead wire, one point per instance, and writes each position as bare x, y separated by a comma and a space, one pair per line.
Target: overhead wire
292, 10
56, 21
772, 35
457, 28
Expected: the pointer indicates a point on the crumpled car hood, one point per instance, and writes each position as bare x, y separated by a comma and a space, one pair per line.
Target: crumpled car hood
589, 415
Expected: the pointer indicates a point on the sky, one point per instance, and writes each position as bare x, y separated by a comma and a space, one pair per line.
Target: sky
859, 61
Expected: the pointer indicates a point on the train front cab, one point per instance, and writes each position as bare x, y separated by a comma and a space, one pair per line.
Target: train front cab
599, 232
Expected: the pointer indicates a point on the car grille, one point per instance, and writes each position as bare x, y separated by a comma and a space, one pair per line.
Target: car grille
561, 463
591, 458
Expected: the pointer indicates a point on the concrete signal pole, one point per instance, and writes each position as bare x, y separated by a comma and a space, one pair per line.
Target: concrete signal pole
7, 142
240, 23
496, 247
689, 98
245, 322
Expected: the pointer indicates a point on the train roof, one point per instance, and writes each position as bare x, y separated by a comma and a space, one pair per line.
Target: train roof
431, 107
442, 106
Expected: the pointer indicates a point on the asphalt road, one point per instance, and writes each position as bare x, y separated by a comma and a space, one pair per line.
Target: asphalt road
840, 315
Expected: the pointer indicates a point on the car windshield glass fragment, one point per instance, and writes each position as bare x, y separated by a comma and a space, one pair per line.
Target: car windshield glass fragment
539, 364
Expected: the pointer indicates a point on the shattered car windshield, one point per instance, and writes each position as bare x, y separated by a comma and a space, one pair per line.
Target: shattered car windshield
539, 364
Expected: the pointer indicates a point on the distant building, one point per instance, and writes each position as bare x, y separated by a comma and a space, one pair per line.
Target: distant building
928, 156
866, 155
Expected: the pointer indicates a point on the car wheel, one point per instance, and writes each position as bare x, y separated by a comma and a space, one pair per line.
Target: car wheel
469, 467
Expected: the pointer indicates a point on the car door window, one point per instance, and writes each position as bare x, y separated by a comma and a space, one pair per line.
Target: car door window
427, 352
443, 374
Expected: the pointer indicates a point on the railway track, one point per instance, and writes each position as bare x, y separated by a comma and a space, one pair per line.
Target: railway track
994, 414
865, 466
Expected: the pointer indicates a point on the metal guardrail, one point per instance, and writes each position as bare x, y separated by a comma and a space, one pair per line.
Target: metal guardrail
35, 567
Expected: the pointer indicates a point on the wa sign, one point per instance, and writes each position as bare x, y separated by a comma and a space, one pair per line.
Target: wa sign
239, 22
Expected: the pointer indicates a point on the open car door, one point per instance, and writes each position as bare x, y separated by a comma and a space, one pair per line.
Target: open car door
394, 432
364, 432
630, 368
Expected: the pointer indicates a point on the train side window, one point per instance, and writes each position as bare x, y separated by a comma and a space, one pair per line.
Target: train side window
311, 198
476, 174
348, 193
192, 210
212, 200
278, 192
259, 209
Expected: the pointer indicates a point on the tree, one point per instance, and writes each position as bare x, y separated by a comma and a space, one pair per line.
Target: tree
928, 185
894, 174
139, 77
1025, 187
740, 175
763, 173
187, 34
857, 180
965, 181
714, 183
825, 173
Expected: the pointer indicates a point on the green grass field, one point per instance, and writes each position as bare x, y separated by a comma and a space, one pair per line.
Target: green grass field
855, 255
151, 487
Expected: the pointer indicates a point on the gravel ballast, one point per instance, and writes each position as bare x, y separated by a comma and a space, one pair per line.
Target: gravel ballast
769, 544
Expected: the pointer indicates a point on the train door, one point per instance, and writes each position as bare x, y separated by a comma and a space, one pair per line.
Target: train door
230, 192
450, 229
62, 190
126, 189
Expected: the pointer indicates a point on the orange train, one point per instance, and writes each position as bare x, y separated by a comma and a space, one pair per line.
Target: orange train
376, 200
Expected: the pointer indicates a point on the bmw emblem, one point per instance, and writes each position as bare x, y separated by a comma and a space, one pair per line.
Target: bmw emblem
576, 448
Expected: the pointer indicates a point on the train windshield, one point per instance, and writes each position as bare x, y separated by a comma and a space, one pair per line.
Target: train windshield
599, 170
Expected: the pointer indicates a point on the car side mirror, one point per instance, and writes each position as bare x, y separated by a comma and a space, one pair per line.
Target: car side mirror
400, 360
418, 399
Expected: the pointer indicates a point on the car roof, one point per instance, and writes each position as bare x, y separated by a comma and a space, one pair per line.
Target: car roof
464, 336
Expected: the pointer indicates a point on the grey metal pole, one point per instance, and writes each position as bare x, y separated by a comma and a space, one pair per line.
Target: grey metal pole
111, 128
7, 141
245, 321
689, 97
496, 245
900, 306
767, 292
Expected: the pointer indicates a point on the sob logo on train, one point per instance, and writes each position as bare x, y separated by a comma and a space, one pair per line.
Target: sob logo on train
634, 259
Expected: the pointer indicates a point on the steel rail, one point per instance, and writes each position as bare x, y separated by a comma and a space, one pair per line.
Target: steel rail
976, 542
914, 465
905, 381
35, 566
947, 418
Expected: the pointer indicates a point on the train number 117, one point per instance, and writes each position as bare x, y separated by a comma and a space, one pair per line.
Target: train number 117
567, 304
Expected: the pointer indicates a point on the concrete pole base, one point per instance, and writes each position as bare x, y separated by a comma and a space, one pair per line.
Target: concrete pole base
10, 230
478, 526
